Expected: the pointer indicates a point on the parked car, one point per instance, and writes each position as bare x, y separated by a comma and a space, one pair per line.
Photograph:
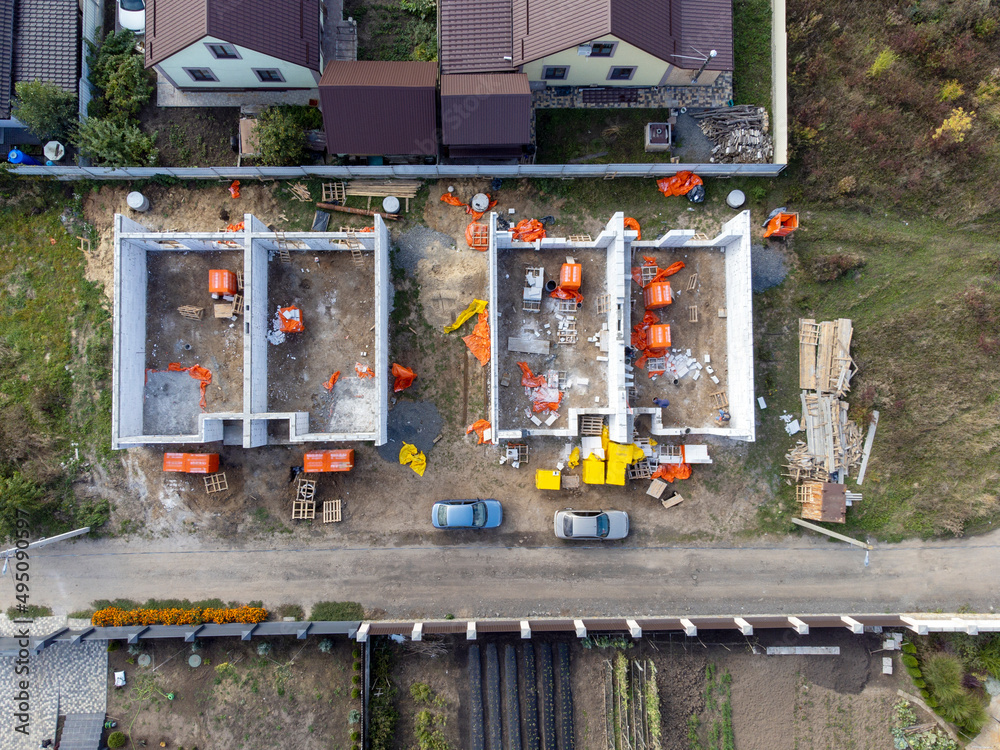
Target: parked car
466, 514
591, 524
132, 15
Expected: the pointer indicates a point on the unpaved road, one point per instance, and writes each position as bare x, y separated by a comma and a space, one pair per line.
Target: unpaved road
793, 575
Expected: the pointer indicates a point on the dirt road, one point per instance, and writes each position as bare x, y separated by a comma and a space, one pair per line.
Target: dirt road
792, 575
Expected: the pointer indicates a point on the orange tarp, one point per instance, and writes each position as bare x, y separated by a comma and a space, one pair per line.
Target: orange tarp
234, 189
529, 230
670, 472
529, 380
657, 295
477, 236
404, 377
680, 184
332, 460
221, 281
631, 223
363, 371
452, 199
291, 320
479, 340
480, 426
198, 373
191, 463
332, 381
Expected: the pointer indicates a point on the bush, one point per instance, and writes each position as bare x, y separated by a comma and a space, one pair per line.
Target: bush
909, 660
355, 693
882, 63
355, 679
355, 736
111, 143
281, 135
950, 91
30, 612
115, 617
20, 498
909, 648
45, 109
832, 267
336, 611
943, 675
967, 711
116, 740
356, 666
955, 126
128, 88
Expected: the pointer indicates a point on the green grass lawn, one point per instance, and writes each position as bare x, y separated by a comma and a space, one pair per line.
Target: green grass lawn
752, 51
55, 359
606, 136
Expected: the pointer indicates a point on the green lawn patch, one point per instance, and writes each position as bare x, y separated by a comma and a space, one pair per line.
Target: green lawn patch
752, 50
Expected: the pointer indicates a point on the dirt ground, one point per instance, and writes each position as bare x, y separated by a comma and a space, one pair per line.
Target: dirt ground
295, 696
335, 298
192, 136
778, 702
577, 360
690, 402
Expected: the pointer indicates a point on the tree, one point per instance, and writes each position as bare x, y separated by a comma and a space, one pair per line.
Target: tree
111, 143
128, 88
281, 137
45, 109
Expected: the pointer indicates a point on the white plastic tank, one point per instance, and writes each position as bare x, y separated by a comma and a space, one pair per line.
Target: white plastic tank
390, 204
137, 201
735, 199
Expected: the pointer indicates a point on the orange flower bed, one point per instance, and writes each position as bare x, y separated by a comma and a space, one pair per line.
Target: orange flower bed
114, 617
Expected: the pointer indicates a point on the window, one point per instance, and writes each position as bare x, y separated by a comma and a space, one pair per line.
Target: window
621, 74
269, 75
602, 49
223, 51
555, 73
201, 74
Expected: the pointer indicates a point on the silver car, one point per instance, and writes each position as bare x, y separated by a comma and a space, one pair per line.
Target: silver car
591, 524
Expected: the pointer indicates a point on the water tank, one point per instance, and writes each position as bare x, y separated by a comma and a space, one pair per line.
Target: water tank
735, 199
137, 201
16, 156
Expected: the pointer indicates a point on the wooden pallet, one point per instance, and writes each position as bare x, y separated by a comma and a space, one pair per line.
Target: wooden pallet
641, 469
720, 400
303, 510
191, 312
333, 191
305, 489
603, 304
692, 313
331, 511
692, 282
521, 449
580, 238
216, 483
237, 304
566, 306
647, 274
591, 424
239, 280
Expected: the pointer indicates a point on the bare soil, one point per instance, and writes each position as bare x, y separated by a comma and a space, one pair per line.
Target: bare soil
295, 696
192, 136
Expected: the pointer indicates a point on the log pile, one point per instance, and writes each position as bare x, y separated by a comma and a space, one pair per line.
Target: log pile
740, 134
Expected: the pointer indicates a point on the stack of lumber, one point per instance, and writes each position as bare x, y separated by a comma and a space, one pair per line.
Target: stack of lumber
383, 188
740, 134
825, 363
833, 442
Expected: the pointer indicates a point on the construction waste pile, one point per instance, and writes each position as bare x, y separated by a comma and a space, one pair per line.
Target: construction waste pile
833, 444
740, 134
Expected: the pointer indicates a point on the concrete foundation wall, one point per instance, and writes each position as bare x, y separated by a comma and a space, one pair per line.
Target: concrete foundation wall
129, 361
255, 321
494, 412
619, 283
739, 328
383, 304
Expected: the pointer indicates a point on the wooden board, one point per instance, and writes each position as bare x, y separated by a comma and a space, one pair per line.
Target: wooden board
670, 502
527, 346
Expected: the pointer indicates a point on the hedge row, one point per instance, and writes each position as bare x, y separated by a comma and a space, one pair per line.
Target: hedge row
116, 617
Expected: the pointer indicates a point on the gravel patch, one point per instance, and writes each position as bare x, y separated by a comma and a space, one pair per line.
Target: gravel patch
767, 267
414, 422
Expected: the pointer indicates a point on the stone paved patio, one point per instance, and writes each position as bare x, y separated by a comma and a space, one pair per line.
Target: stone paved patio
653, 97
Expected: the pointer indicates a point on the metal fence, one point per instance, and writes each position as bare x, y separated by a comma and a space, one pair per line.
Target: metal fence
404, 171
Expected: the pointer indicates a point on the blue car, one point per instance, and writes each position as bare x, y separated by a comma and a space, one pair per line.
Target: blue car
466, 514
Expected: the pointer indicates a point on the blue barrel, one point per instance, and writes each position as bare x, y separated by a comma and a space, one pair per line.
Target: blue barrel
17, 156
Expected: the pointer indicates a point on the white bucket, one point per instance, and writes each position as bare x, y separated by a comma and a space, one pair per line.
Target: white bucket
390, 204
137, 201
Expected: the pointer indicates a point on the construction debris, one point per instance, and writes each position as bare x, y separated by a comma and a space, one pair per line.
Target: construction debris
404, 189
825, 363
740, 134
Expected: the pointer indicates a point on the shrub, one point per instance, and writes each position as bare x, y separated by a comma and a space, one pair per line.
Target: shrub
281, 135
909, 648
115, 617
128, 88
113, 144
355, 736
355, 693
45, 109
336, 611
20, 498
967, 711
356, 666
356, 653
29, 612
909, 660
422, 8
882, 63
950, 91
943, 675
421, 692
116, 740
832, 267
355, 679
955, 126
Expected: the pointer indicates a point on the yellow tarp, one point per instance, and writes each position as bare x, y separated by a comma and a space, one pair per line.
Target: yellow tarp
474, 308
574, 458
604, 440
548, 479
619, 457
409, 454
593, 470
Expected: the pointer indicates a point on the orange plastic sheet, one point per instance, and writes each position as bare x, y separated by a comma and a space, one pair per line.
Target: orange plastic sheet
680, 184
637, 270
363, 371
404, 377
528, 380
367, 229
668, 271
479, 340
631, 223
561, 293
332, 381
480, 426
198, 373
529, 230
235, 227
452, 200
234, 189
477, 215
670, 472
291, 320
640, 340
478, 236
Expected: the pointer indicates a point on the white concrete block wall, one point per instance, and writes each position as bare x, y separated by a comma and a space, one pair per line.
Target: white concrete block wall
494, 413
383, 304
129, 335
619, 428
739, 328
255, 321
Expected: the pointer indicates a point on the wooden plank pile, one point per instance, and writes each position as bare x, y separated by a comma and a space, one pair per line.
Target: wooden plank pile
402, 189
740, 134
833, 442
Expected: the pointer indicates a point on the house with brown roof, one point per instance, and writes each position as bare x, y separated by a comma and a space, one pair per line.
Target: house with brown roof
485, 116
203, 45
604, 43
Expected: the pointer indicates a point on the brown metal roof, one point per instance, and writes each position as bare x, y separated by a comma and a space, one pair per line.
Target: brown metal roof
376, 107
662, 28
285, 29
475, 36
489, 109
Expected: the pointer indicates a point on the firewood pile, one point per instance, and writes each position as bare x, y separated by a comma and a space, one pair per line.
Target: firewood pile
740, 134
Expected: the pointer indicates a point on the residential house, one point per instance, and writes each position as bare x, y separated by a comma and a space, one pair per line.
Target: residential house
39, 41
201, 45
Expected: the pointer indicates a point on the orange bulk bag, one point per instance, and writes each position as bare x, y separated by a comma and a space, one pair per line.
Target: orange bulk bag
221, 281
332, 460
658, 337
657, 295
570, 276
291, 320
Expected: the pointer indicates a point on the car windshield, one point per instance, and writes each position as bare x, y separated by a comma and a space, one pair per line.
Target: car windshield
568, 526
442, 517
133, 4
479, 514
603, 525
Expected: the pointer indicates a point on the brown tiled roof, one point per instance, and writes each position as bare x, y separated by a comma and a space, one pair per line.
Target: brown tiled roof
487, 109
662, 28
285, 29
379, 107
475, 36
6, 56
